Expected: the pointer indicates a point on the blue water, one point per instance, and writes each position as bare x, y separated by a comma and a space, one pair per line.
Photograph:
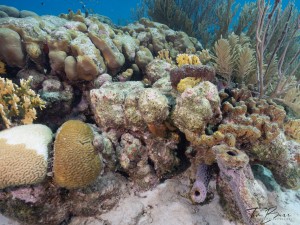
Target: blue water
117, 10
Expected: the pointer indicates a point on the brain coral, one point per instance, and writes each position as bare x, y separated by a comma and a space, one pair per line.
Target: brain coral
24, 154
76, 163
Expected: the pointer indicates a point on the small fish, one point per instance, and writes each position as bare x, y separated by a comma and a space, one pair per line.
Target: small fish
42, 3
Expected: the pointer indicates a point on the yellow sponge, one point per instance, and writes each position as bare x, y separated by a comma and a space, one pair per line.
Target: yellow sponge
76, 163
24, 154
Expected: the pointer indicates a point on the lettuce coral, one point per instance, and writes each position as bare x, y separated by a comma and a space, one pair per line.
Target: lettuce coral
18, 103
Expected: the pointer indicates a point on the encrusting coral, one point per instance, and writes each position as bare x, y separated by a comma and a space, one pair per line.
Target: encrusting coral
76, 163
24, 160
18, 103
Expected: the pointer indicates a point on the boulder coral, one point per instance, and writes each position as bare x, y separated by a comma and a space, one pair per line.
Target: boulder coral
76, 163
82, 48
11, 50
195, 108
24, 160
128, 105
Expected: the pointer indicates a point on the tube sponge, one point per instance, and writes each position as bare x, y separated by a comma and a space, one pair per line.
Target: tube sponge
24, 154
76, 163
199, 189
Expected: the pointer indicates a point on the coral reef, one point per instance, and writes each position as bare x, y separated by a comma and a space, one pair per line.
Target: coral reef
195, 108
136, 118
45, 204
207, 20
24, 160
18, 103
11, 50
8, 11
186, 59
76, 163
128, 105
85, 48
292, 129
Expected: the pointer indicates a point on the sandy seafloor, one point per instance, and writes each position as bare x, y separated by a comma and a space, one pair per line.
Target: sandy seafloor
167, 205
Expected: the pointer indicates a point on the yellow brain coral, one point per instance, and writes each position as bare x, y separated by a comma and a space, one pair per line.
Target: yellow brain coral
24, 154
76, 163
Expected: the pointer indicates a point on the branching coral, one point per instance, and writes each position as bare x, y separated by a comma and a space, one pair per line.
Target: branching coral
18, 103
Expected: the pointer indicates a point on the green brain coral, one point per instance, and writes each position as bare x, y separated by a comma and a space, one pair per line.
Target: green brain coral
76, 163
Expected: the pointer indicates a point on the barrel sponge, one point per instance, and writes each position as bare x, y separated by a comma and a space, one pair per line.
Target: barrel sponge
24, 154
76, 162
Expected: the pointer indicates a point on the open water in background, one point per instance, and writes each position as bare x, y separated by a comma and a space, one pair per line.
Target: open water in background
117, 10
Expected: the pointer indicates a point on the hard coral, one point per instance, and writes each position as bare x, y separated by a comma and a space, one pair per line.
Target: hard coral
186, 59
187, 82
76, 163
2, 68
197, 107
23, 160
18, 103
292, 129
133, 159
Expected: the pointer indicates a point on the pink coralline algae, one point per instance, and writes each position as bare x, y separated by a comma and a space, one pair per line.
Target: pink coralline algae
27, 194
